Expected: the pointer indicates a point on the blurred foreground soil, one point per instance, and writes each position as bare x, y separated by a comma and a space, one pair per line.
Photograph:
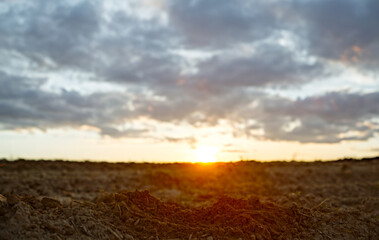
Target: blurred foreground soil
242, 200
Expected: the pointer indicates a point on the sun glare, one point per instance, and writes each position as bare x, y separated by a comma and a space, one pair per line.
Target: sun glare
206, 154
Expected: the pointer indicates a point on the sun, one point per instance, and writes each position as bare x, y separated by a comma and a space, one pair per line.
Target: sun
206, 154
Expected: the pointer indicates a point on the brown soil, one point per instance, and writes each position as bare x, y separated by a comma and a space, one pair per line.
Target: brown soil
243, 200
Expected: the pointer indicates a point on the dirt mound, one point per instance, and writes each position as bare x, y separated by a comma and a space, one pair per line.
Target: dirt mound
138, 215
227, 218
244, 200
30, 217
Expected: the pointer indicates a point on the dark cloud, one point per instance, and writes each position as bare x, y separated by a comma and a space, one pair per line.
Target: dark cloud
248, 47
77, 37
341, 30
269, 65
116, 133
57, 31
189, 140
330, 118
344, 30
23, 104
221, 23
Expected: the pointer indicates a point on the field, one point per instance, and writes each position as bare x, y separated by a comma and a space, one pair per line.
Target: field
241, 200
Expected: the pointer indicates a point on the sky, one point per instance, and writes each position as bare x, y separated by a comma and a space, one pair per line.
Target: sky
161, 80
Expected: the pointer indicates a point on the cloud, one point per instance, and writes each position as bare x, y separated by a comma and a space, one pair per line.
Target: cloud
339, 30
23, 104
342, 30
329, 118
118, 46
80, 37
376, 150
269, 65
216, 24
58, 31
235, 54
189, 140
116, 133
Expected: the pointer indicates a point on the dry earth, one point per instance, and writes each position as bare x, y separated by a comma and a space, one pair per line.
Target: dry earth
243, 200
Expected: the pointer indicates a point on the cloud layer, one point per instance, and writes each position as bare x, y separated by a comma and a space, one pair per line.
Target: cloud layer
191, 62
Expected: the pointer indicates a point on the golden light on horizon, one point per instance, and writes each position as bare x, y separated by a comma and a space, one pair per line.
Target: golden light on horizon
206, 154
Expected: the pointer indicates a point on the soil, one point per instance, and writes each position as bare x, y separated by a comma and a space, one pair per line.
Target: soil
241, 200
